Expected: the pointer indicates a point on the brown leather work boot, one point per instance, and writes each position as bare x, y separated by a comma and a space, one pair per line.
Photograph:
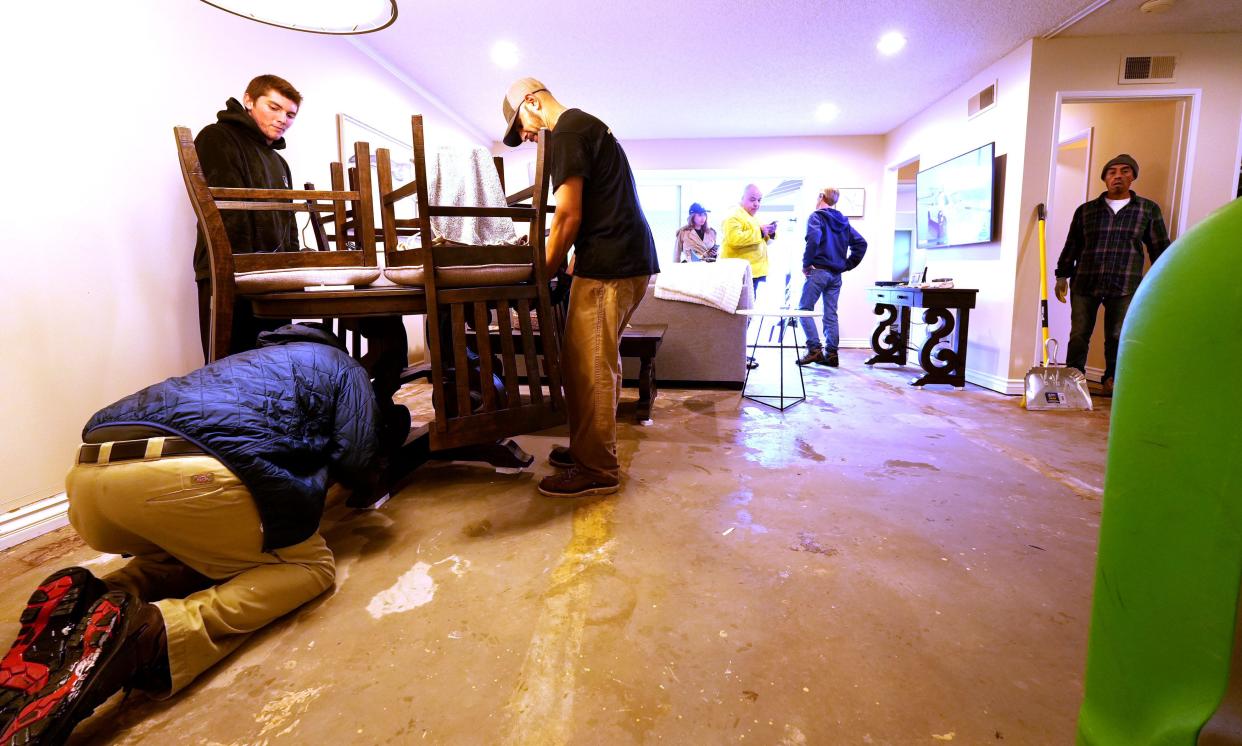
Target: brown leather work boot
120, 642
813, 355
573, 482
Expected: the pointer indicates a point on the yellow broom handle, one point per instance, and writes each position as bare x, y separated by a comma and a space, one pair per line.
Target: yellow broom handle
1043, 282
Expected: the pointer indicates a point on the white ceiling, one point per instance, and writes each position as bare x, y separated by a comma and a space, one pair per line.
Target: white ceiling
727, 68
1182, 17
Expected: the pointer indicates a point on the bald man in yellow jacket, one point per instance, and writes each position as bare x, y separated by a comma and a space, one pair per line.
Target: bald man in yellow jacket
745, 239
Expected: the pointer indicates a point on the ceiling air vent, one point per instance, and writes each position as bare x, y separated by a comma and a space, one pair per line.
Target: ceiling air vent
1147, 68
981, 101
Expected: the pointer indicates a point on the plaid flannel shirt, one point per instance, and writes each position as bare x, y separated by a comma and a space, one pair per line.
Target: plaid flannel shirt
1103, 252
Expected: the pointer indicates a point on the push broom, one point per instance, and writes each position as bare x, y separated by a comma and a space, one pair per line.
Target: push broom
1052, 386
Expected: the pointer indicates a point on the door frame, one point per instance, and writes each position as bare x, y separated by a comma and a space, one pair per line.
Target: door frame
1182, 173
1189, 126
1058, 321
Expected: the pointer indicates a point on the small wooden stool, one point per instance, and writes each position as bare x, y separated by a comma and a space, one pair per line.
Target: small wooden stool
643, 342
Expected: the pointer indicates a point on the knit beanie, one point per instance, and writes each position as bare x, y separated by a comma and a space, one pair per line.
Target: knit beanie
1122, 160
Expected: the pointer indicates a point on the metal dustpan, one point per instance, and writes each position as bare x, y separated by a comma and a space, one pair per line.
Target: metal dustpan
1053, 386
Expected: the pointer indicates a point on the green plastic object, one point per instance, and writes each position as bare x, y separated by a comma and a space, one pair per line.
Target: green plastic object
1170, 555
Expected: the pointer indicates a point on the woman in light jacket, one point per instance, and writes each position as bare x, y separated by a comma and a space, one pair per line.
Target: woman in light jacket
695, 241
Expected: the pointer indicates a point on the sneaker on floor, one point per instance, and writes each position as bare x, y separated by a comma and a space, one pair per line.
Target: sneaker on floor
40, 649
813, 355
561, 458
117, 639
751, 363
830, 359
573, 482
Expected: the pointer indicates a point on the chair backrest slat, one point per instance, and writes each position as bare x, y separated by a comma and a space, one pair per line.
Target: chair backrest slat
508, 359
484, 341
338, 208
460, 363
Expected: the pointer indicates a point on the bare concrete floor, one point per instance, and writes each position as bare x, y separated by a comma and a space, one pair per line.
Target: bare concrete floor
877, 565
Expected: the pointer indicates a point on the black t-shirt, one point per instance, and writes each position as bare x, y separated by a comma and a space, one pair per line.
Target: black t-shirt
614, 240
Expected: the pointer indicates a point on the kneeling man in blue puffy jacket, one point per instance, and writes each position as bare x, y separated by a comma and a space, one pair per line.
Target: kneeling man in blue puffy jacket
215, 483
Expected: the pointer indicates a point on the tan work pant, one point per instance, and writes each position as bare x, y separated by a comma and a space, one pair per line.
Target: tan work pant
195, 535
591, 358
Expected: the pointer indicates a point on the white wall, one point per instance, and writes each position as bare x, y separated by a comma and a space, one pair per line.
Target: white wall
97, 298
940, 132
818, 161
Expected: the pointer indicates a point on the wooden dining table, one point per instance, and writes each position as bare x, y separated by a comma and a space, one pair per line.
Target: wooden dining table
376, 312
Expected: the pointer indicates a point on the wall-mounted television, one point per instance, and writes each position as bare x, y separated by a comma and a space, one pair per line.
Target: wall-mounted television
953, 200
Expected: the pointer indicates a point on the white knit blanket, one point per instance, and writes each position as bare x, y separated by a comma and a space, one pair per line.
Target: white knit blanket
723, 284
466, 177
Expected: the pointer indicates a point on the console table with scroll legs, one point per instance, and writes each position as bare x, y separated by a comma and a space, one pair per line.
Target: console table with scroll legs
892, 334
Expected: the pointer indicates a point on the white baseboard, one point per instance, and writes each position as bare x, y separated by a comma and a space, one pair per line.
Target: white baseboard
1095, 374
1007, 386
34, 520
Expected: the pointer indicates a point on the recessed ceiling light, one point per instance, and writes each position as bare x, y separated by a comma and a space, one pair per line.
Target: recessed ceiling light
827, 112
505, 54
891, 43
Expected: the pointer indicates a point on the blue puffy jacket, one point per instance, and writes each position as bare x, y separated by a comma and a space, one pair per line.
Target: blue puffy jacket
282, 417
831, 242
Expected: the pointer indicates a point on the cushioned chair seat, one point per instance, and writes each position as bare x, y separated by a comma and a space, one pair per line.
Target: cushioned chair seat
277, 280
480, 275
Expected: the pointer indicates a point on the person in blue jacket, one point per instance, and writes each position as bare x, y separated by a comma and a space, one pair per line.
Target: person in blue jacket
832, 248
215, 483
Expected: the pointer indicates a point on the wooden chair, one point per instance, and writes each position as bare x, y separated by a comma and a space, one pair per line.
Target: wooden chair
253, 275
464, 284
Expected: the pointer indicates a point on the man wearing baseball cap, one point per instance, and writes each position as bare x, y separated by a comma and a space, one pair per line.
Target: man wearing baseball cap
597, 211
1103, 257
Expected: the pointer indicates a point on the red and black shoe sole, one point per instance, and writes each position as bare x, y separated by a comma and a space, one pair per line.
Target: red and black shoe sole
50, 716
48, 621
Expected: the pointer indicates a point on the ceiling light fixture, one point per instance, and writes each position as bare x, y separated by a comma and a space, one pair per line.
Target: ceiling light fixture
827, 112
1156, 6
505, 54
891, 43
315, 16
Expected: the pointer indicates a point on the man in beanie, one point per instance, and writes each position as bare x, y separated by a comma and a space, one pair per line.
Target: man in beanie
1103, 258
597, 211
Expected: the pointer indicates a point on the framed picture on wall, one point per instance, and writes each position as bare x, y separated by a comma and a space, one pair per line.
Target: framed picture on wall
851, 201
350, 130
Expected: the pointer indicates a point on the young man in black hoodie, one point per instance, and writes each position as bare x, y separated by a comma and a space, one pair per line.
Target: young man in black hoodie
239, 150
832, 247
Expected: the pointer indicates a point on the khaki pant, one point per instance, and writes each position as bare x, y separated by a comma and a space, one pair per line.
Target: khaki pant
195, 535
591, 357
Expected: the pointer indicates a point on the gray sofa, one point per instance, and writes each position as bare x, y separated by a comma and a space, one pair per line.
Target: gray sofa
702, 345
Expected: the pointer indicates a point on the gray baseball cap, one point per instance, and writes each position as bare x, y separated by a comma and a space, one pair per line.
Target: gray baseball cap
520, 89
